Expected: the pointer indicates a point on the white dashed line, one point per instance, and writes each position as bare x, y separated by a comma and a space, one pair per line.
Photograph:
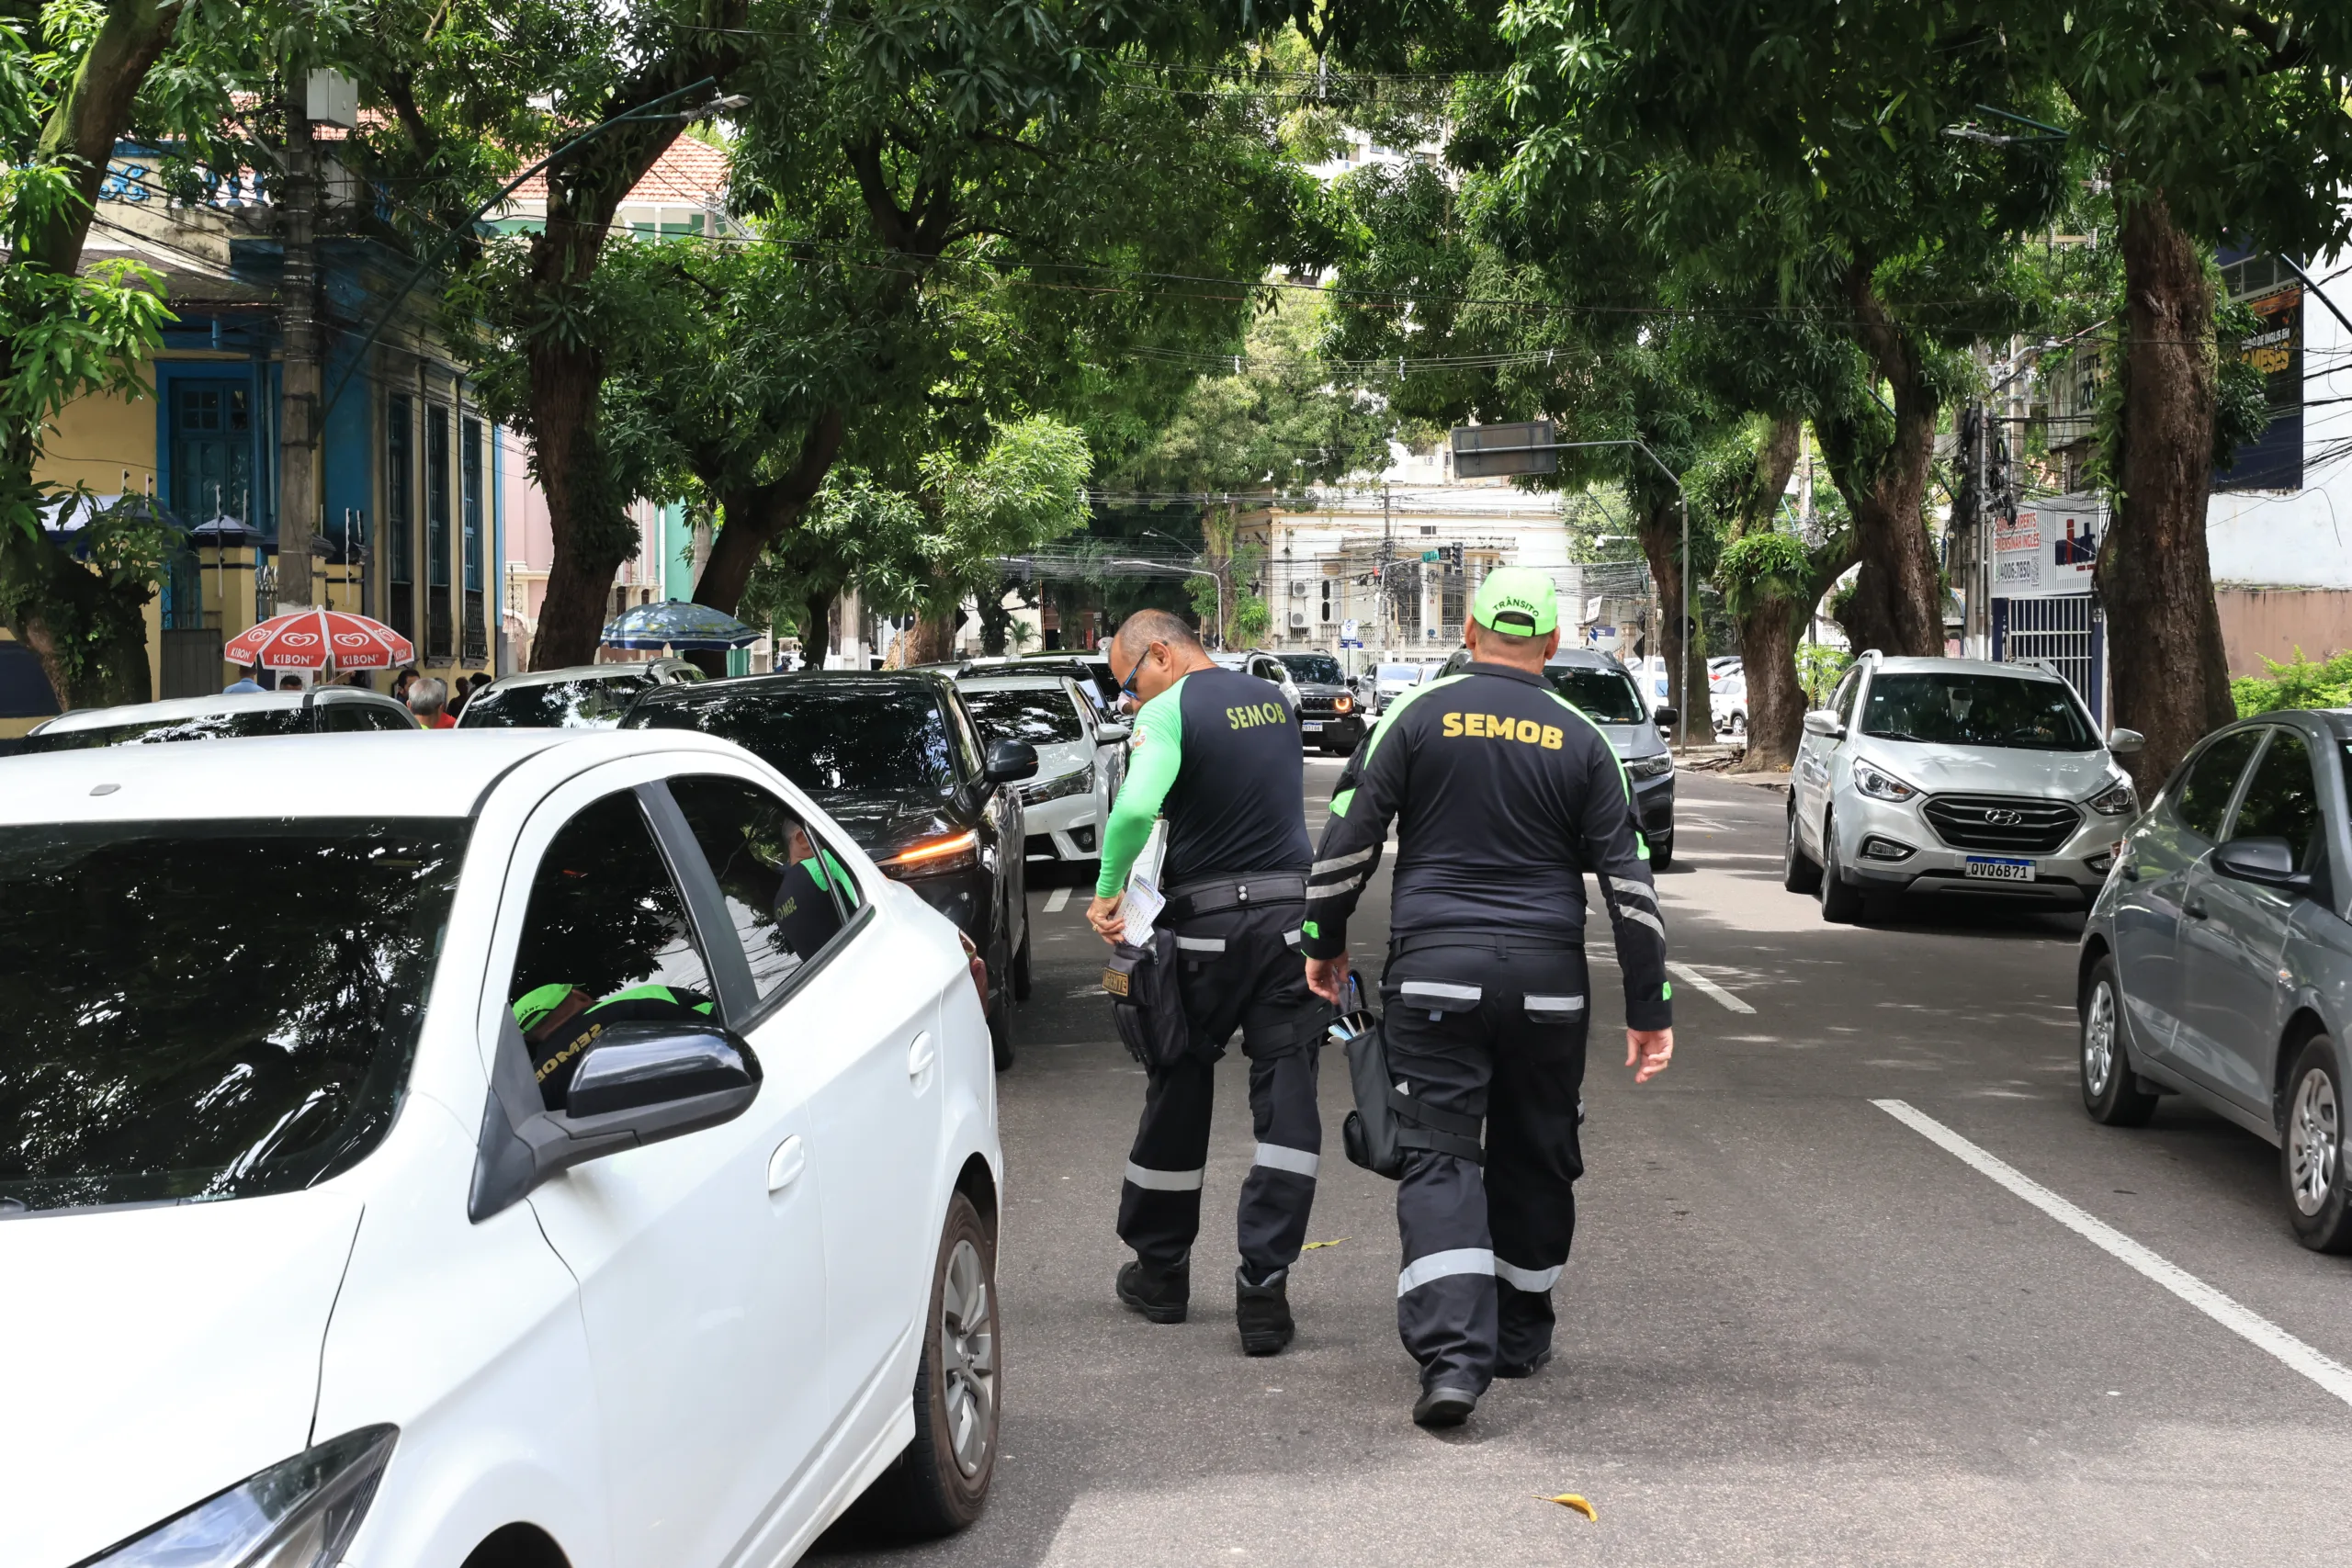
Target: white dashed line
1056, 900
2252, 1327
1684, 972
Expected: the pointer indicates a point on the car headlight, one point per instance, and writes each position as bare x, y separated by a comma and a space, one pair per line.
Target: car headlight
1343, 705
1650, 767
300, 1514
2114, 801
1078, 780
1880, 785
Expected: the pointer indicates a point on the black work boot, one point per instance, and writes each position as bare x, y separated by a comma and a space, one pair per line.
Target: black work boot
1443, 1406
1263, 1314
1526, 1368
1160, 1295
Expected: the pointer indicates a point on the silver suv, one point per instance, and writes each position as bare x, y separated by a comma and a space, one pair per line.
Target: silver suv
1954, 776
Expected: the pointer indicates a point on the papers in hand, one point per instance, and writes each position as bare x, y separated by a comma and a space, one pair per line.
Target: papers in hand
1142, 901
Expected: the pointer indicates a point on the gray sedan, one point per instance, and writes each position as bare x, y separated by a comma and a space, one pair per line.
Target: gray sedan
2217, 960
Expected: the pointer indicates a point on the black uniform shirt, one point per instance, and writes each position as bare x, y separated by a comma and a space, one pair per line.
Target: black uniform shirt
1218, 755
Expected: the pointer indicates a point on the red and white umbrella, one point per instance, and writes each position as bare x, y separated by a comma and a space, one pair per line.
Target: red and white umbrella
320, 639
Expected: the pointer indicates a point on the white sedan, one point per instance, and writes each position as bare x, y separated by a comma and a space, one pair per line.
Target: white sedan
537, 1146
1082, 758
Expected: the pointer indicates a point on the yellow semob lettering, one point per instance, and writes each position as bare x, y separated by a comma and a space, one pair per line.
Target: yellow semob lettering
1452, 724
1255, 713
1502, 727
1553, 736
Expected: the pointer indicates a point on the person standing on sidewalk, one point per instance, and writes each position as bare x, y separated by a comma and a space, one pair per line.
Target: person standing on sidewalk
1217, 754
1505, 795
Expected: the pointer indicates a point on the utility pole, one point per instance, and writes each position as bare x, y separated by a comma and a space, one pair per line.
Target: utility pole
298, 196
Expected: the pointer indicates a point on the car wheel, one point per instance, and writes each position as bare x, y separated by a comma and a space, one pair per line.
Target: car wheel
1000, 1031
1739, 727
1022, 983
2311, 1156
1661, 853
940, 1481
1841, 901
1798, 873
2111, 1090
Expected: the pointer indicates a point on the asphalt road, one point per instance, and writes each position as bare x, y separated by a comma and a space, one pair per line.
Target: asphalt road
1794, 1329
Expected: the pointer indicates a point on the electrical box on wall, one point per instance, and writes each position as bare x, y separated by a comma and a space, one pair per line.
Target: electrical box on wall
332, 98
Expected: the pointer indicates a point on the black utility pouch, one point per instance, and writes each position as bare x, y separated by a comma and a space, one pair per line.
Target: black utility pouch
1387, 1123
1144, 1003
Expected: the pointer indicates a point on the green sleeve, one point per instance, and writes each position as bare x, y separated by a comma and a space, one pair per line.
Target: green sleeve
1152, 774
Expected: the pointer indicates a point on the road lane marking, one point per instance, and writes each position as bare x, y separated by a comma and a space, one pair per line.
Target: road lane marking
2254, 1330
1684, 972
1056, 900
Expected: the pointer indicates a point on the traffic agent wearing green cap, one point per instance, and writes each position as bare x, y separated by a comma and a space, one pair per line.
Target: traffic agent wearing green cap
1517, 601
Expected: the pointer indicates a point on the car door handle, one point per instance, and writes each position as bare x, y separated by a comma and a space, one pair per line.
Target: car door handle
2195, 911
785, 1166
920, 1055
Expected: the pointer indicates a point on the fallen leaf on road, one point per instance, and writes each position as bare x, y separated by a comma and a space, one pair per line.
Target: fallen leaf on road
1570, 1500
1333, 1242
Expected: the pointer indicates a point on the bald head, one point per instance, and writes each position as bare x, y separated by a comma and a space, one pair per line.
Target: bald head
1152, 651
1143, 628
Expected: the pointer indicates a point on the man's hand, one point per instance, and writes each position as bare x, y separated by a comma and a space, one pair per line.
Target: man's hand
1651, 1050
1109, 920
1328, 978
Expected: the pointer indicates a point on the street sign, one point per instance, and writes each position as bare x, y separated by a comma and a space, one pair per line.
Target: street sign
1428, 555
1349, 631
1486, 451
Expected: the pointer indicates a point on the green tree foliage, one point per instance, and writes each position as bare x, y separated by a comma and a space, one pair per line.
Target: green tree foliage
2299, 684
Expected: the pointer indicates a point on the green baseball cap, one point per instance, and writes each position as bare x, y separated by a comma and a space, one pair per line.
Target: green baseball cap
1517, 601
532, 1008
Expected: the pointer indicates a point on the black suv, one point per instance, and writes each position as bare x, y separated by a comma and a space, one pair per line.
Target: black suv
896, 760
1330, 711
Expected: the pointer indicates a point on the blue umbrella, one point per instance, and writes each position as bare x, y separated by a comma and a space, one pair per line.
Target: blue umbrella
678, 625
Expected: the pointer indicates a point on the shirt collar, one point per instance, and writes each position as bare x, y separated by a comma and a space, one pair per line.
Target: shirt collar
1508, 672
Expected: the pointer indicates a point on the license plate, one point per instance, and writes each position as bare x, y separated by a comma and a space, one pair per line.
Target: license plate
2000, 870
1311, 726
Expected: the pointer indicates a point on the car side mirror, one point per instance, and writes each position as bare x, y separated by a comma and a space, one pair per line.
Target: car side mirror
1009, 761
2123, 742
1824, 723
1111, 734
1665, 717
637, 1083
2265, 863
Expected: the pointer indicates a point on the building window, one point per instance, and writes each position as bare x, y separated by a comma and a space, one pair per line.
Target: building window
439, 642
399, 514
212, 451
477, 629
1327, 600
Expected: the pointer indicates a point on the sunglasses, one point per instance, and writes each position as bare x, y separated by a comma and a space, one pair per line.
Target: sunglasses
1127, 686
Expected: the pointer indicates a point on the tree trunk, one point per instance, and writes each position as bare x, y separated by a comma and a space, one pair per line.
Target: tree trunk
1899, 594
2171, 676
89, 634
758, 515
1768, 628
1661, 531
592, 534
816, 630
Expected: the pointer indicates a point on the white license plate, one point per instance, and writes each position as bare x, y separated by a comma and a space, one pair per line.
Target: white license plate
1311, 726
2000, 870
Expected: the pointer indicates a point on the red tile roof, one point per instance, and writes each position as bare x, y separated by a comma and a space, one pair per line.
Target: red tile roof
688, 174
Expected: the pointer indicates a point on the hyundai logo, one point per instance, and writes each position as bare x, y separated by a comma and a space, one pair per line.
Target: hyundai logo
2002, 817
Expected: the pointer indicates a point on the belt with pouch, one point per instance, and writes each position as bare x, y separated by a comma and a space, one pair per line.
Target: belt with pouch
1218, 894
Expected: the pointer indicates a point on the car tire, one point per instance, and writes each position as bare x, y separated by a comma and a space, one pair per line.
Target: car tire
939, 1483
1661, 853
2310, 1154
1023, 983
1798, 873
1841, 901
2111, 1090
1000, 1031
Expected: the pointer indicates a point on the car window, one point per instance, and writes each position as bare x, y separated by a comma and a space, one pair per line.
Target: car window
235, 725
967, 740
555, 704
1843, 698
2281, 799
1605, 697
1043, 715
783, 887
192, 1011
605, 939
2205, 790
1317, 667
825, 736
1965, 708
346, 717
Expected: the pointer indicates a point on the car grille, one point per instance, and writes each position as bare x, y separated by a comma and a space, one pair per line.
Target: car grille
2004, 824
1318, 707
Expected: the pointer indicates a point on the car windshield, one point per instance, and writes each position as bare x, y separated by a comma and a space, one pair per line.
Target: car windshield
230, 726
1408, 674
824, 735
596, 703
1314, 667
1605, 697
1041, 716
1976, 710
192, 1011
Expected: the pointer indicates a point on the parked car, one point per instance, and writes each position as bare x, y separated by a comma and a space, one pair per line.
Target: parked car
1094, 668
2217, 960
1081, 757
483, 1148
1954, 776
1328, 715
580, 697
1264, 665
1393, 679
895, 758
316, 710
1728, 704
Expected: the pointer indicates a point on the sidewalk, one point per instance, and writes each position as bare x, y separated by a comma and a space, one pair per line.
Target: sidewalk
1718, 761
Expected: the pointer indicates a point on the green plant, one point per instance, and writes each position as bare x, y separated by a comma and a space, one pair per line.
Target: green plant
2299, 684
1818, 668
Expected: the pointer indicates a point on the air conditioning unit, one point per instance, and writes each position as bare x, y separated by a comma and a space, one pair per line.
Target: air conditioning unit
1298, 589
1298, 620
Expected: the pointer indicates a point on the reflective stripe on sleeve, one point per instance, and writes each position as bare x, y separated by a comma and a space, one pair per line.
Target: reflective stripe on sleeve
1645, 918
1619, 885
1537, 1279
1440, 1265
1165, 1180
1342, 863
1208, 943
1298, 1162
1333, 889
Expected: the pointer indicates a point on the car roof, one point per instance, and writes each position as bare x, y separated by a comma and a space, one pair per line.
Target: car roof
1910, 666
198, 708
576, 672
386, 774
1013, 683
927, 677
1584, 658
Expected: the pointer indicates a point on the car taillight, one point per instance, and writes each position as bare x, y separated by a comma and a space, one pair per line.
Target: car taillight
958, 851
978, 966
